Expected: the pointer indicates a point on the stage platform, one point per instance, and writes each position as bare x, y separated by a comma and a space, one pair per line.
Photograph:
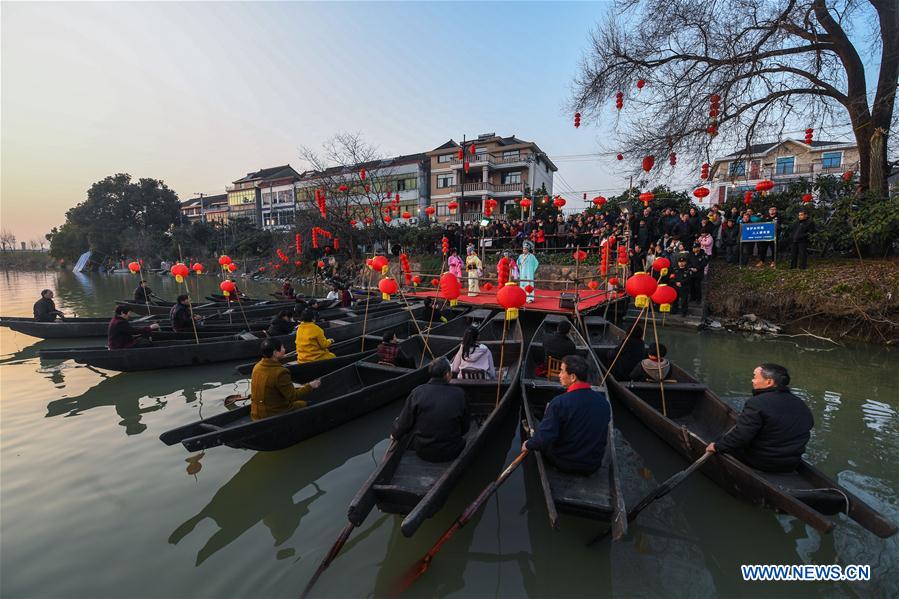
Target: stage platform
545, 300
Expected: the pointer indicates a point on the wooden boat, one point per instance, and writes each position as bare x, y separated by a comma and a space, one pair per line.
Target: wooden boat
344, 395
406, 484
692, 416
62, 329
353, 350
170, 354
598, 496
159, 309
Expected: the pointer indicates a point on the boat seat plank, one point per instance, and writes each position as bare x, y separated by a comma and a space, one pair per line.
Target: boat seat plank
383, 367
687, 387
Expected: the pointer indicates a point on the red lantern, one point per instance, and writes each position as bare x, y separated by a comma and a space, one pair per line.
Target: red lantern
416, 280
379, 264
640, 287
197, 267
406, 215
747, 198
646, 197
559, 202
453, 206
511, 297
435, 282
529, 288
180, 271
579, 255
471, 150
807, 198
847, 176
619, 100
809, 134
641, 83
228, 287
450, 287
593, 285
661, 265
362, 174
223, 260
764, 186
466, 166
672, 158
577, 120
525, 203
430, 211
712, 130
321, 263
387, 287
620, 157
664, 296
368, 220
599, 201
343, 187
232, 267
298, 263
387, 219
701, 192
486, 286
134, 267
705, 171
613, 281
648, 163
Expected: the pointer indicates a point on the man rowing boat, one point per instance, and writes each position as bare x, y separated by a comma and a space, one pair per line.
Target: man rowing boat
272, 391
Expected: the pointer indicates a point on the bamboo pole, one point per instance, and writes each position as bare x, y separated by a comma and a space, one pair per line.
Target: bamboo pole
621, 348
661, 384
502, 354
367, 302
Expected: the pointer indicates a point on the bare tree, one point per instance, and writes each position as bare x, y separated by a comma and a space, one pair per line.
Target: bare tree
7, 240
34, 244
336, 171
775, 65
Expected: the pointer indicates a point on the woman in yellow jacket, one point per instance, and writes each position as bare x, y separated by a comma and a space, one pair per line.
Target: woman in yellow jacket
312, 345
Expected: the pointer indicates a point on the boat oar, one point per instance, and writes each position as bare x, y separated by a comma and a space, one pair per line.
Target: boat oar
421, 566
658, 493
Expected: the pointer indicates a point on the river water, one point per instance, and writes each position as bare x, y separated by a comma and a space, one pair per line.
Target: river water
93, 505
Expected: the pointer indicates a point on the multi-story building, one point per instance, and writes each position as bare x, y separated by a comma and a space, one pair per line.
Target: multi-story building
782, 162
265, 197
500, 168
206, 208
406, 175
192, 210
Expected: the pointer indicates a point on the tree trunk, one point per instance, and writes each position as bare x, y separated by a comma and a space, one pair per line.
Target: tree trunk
876, 178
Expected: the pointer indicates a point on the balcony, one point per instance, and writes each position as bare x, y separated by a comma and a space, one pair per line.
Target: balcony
781, 173
483, 159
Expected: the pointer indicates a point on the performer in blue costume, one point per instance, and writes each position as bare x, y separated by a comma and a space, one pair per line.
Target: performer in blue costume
527, 269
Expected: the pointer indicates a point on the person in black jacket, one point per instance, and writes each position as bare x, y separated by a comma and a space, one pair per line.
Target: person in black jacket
697, 262
559, 344
682, 231
679, 278
799, 238
436, 416
143, 294
45, 308
630, 353
774, 427
281, 324
179, 315
121, 334
730, 239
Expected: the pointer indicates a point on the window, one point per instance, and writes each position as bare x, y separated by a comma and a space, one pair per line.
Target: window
831, 159
510, 154
445, 158
784, 166
510, 178
446, 180
407, 184
737, 168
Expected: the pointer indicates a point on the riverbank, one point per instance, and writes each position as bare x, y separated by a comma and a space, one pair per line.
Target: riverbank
27, 260
838, 299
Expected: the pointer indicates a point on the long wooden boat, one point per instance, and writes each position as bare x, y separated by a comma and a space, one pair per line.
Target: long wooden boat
408, 485
170, 354
692, 416
598, 496
344, 395
353, 350
62, 329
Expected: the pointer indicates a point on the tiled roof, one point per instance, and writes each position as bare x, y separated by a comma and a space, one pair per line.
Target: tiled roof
272, 172
369, 165
757, 149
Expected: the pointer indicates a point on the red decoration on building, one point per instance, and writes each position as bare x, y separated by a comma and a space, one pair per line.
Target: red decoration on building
599, 201
701, 192
577, 120
648, 163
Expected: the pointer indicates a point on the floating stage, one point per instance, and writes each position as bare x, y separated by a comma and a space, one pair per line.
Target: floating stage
545, 300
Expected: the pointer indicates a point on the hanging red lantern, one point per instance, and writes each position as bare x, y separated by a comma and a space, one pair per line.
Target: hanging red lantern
490, 203
559, 202
388, 287
619, 100
715, 98
430, 211
622, 255
224, 260
435, 282
298, 263
664, 296
661, 265
444, 245
646, 197
466, 166
764, 186
368, 220
379, 264
406, 214
525, 203
197, 268
180, 271
847, 176
577, 120
416, 280
701, 192
809, 134
362, 174
747, 198
450, 287
672, 158
641, 83
704, 174
460, 154
511, 297
620, 157
529, 288
472, 150
321, 263
807, 198
452, 206
353, 222
387, 219
712, 130
343, 188
593, 285
599, 201
640, 287
134, 267
228, 287
579, 255
648, 163
613, 281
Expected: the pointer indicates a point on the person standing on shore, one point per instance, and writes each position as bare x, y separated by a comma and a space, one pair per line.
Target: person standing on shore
454, 263
473, 269
527, 269
802, 230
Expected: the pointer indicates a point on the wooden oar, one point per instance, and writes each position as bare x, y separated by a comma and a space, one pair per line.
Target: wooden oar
421, 566
341, 538
658, 493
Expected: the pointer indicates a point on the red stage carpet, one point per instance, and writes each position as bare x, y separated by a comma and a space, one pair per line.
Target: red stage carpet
545, 300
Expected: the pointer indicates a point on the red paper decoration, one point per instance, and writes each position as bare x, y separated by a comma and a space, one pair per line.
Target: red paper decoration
648, 163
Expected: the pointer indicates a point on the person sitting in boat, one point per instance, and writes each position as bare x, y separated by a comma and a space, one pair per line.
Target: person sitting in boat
389, 351
281, 324
654, 367
473, 356
312, 345
774, 427
287, 291
630, 353
559, 344
437, 308
334, 294
122, 335
180, 313
143, 294
346, 297
435, 417
45, 308
572, 434
272, 391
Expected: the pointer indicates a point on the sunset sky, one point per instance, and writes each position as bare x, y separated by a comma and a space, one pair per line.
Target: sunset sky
200, 94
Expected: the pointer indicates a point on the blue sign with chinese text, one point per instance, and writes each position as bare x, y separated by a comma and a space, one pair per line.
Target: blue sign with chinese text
758, 232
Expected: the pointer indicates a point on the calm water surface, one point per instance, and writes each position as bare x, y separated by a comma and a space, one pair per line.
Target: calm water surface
94, 505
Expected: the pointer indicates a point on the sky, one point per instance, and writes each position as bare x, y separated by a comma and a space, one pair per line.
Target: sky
199, 94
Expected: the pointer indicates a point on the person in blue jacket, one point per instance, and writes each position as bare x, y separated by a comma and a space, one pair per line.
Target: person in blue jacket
572, 434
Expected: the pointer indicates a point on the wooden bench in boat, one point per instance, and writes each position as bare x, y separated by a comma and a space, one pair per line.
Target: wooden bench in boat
669, 386
383, 367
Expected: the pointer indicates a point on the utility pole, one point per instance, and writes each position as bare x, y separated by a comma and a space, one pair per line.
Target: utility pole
202, 206
462, 199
